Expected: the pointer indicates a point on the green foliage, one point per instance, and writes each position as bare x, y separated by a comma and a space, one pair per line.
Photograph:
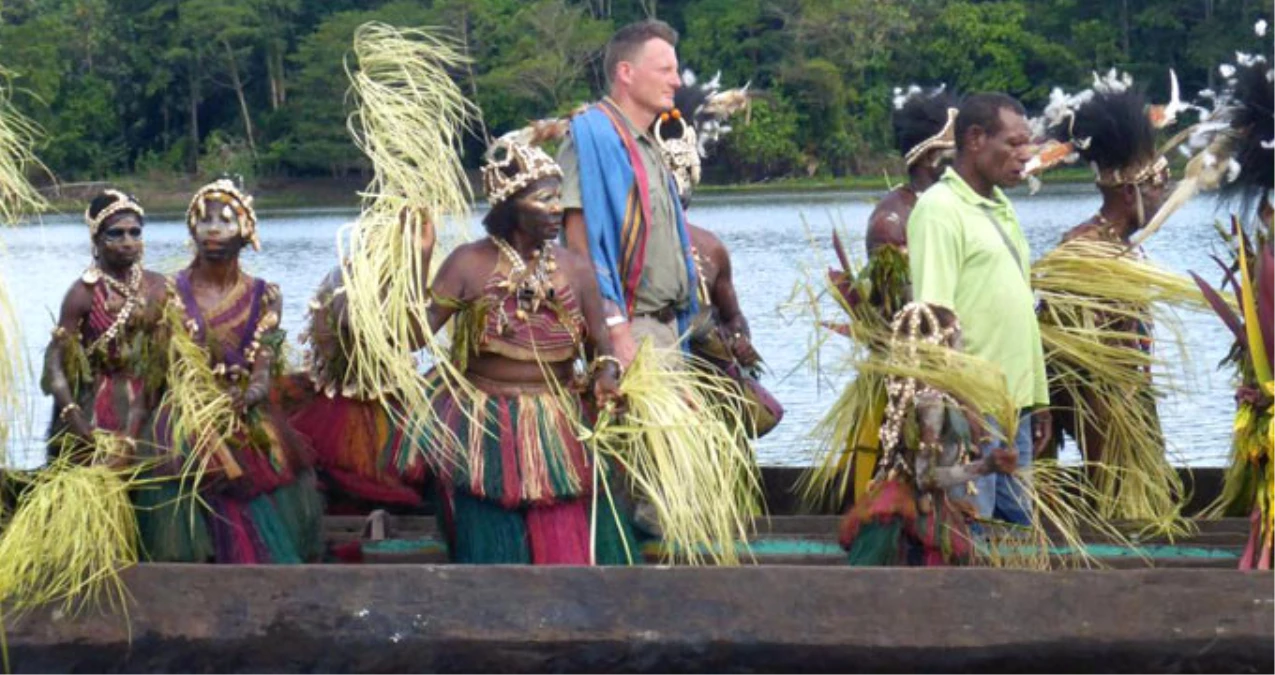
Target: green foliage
258, 86
767, 145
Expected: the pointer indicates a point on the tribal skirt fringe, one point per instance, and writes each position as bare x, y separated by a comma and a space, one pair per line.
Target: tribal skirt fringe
353, 443
892, 526
271, 514
515, 484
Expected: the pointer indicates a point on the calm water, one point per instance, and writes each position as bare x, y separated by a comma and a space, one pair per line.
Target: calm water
776, 241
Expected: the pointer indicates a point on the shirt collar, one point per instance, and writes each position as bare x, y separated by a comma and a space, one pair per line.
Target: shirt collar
637, 133
967, 193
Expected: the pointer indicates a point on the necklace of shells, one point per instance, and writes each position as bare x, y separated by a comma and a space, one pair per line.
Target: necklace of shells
901, 392
532, 286
130, 291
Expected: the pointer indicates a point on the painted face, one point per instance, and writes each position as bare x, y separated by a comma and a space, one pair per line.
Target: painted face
1002, 156
652, 75
217, 234
119, 242
539, 209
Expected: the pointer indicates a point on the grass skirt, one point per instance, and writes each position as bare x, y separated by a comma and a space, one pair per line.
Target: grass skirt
353, 443
273, 513
516, 485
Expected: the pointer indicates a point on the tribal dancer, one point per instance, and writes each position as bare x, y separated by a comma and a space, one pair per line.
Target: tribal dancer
1234, 155
924, 131
251, 469
1099, 299
913, 513
106, 364
348, 429
515, 482
1098, 341
366, 317
719, 336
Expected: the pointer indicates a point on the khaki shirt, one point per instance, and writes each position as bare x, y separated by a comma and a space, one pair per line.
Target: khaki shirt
960, 260
664, 278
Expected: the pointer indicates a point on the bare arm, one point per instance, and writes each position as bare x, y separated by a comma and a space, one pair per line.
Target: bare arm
55, 382
259, 380
586, 286
451, 287
606, 377
735, 328
156, 289
577, 234
578, 243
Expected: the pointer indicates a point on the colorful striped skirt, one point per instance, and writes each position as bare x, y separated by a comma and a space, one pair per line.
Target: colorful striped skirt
515, 484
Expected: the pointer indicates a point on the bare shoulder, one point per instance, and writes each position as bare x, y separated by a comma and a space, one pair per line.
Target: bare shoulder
1087, 230
892, 209
472, 253
705, 241
80, 293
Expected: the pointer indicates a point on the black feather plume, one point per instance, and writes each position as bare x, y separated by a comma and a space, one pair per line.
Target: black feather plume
1111, 129
921, 116
1251, 114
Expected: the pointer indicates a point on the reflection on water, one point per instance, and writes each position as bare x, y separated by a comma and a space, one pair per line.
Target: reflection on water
776, 241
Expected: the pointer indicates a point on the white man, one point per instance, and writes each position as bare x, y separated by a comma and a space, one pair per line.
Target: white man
621, 201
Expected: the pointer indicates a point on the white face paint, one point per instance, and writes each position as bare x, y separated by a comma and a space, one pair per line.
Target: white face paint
218, 233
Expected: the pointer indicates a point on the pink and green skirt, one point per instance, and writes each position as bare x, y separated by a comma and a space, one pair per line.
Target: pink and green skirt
515, 484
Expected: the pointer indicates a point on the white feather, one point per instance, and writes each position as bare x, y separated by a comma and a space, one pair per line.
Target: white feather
1232, 170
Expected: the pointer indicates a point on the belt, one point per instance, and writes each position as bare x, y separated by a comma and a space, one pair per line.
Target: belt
664, 314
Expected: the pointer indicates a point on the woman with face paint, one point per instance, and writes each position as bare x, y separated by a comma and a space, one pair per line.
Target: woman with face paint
515, 482
105, 365
258, 483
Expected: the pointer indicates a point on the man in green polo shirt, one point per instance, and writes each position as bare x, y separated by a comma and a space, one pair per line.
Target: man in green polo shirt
968, 253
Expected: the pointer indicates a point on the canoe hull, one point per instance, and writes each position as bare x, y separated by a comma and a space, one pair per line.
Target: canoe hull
425, 618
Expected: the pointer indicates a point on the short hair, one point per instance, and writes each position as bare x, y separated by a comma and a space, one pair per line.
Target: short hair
628, 40
984, 110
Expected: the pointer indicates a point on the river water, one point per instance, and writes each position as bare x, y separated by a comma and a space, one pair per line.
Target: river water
777, 242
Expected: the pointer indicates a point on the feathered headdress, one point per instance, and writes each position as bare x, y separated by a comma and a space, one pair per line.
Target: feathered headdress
1232, 148
924, 120
698, 118
1110, 126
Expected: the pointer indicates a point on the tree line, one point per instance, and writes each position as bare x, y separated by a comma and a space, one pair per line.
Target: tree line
258, 87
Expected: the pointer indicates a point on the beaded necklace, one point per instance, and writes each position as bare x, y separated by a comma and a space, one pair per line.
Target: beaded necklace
130, 291
531, 286
901, 392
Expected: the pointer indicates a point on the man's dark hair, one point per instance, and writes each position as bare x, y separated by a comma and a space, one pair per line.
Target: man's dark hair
626, 42
984, 110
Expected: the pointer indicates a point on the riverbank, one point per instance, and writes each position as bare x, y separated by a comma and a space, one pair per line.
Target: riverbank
169, 194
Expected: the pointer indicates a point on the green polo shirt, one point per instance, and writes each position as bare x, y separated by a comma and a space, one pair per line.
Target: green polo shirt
664, 279
959, 260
